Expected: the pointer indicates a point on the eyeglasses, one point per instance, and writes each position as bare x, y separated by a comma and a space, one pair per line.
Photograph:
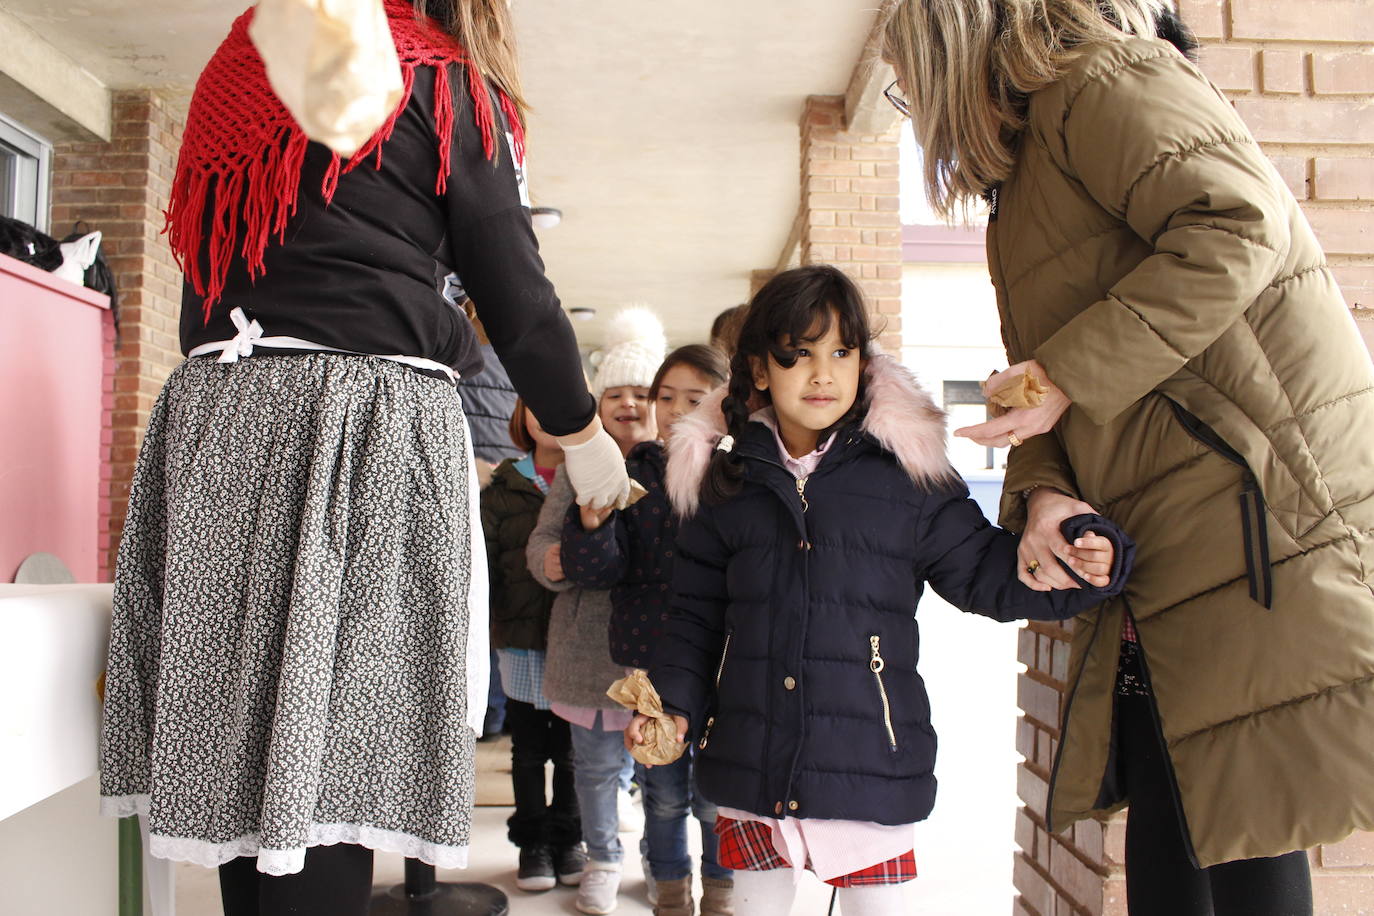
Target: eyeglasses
891, 93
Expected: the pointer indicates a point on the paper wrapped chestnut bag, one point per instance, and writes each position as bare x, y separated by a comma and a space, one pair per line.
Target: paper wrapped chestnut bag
660, 746
1025, 390
333, 64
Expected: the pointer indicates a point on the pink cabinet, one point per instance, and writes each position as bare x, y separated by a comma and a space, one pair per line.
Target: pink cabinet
55, 340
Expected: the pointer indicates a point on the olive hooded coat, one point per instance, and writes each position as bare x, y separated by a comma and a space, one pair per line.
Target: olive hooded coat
1145, 251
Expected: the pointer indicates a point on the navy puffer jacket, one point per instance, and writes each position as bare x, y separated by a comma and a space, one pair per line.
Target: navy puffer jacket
792, 642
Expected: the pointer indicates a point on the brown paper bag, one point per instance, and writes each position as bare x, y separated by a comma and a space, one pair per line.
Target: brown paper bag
637, 492
661, 746
1023, 391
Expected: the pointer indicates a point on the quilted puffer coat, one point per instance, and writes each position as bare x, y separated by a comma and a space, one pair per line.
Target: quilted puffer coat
1147, 254
520, 605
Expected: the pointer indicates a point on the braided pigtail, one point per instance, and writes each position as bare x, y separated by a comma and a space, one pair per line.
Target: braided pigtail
724, 475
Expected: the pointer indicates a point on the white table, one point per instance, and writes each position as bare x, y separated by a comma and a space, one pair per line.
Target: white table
53, 641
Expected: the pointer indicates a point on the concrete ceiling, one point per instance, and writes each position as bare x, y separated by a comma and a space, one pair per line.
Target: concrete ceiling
666, 133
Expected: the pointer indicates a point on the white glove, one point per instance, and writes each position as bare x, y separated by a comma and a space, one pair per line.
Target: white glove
596, 470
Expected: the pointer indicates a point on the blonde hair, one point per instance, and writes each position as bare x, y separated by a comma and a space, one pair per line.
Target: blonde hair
968, 65
485, 30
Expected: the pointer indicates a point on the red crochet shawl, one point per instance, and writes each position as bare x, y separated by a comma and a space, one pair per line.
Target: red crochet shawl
242, 151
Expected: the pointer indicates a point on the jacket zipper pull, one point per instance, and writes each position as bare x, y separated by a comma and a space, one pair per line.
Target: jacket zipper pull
801, 492
711, 721
1256, 531
876, 665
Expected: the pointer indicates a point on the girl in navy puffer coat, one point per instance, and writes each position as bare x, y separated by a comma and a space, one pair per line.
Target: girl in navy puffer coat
791, 648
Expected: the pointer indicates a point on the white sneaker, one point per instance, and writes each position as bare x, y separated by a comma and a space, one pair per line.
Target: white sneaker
600, 885
650, 885
630, 813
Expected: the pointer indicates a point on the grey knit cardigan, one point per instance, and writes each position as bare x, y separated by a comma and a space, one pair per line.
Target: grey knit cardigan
578, 667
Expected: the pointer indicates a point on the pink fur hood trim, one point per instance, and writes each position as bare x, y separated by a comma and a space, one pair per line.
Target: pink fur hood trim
901, 416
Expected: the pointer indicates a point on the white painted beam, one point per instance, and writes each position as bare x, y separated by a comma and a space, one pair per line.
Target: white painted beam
46, 91
865, 110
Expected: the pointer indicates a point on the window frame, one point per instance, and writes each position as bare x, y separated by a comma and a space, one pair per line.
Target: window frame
31, 190
959, 392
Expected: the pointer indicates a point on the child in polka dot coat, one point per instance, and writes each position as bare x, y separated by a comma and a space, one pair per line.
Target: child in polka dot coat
630, 552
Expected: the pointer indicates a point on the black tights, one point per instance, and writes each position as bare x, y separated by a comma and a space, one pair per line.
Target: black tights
336, 881
1160, 880
538, 735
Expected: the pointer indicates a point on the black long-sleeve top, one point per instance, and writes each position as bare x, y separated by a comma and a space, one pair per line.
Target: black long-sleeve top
365, 272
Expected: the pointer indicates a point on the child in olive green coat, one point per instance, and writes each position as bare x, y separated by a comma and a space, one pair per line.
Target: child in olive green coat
548, 833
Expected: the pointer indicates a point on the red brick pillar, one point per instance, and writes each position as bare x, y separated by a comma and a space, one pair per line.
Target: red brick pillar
1078, 871
850, 209
121, 188
1302, 77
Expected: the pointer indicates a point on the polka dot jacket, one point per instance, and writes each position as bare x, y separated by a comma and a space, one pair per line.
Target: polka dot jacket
632, 555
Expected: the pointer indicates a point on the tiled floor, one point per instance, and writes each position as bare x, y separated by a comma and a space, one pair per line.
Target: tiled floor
963, 852
492, 861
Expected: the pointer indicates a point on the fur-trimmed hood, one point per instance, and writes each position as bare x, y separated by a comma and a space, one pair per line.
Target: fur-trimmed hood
901, 416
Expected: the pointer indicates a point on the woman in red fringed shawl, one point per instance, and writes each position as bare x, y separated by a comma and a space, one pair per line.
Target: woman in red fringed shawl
298, 653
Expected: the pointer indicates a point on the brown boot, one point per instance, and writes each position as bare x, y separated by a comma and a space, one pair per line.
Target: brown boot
674, 897
717, 897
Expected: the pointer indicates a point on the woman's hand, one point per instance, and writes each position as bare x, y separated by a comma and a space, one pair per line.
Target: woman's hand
634, 732
593, 519
1020, 423
553, 563
1042, 542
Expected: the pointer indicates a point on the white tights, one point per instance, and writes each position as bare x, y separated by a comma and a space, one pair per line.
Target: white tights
770, 893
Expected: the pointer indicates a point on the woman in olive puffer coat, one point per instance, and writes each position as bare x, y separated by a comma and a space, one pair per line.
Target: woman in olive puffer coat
1210, 394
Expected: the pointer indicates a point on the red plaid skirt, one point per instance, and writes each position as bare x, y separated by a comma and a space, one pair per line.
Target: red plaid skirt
748, 846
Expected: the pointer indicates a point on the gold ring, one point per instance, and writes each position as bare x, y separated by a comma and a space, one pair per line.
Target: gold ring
1032, 566
1013, 439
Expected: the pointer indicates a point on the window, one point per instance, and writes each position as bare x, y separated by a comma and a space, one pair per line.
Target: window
966, 406
25, 162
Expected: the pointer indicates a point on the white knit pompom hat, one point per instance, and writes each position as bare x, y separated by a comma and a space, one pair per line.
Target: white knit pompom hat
634, 348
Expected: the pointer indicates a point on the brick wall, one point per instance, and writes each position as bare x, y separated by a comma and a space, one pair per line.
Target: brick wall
849, 211
121, 188
1302, 76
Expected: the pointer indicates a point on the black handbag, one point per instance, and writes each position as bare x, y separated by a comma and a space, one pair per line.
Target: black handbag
21, 241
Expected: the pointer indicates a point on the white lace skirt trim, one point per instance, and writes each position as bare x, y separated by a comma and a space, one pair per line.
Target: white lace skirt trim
285, 861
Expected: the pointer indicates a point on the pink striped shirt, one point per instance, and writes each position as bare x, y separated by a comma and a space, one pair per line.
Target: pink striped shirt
612, 720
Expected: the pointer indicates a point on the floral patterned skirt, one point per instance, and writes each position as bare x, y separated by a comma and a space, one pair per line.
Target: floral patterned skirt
289, 656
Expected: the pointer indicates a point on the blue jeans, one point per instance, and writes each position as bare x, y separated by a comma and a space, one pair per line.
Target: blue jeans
495, 719
599, 764
669, 793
